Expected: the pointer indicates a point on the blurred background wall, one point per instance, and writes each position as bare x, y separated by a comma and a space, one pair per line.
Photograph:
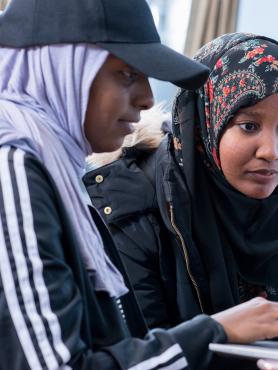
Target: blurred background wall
258, 16
186, 25
3, 4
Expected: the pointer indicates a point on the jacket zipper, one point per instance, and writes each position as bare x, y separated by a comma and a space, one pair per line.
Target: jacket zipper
179, 235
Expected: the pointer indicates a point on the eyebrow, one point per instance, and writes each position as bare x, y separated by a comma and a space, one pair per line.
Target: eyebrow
249, 112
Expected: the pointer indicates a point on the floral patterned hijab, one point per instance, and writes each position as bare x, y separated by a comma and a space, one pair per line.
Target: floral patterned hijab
236, 236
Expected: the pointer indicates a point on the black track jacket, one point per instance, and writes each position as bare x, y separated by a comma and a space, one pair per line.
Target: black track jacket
50, 315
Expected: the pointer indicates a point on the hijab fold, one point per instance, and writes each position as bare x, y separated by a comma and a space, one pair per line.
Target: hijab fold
236, 236
44, 93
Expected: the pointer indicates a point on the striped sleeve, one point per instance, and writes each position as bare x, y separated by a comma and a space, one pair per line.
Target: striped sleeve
40, 322
171, 358
157, 350
24, 282
27, 297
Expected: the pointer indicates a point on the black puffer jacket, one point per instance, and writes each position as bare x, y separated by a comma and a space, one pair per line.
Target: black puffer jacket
134, 194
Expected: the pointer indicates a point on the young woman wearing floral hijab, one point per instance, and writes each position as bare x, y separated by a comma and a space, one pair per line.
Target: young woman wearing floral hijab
205, 236
65, 300
232, 173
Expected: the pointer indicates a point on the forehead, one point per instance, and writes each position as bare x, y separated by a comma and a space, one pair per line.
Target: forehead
265, 106
114, 62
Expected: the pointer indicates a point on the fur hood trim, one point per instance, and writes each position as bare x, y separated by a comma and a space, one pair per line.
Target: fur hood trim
147, 135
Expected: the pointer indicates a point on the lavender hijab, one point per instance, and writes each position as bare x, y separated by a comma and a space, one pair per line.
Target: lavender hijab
44, 93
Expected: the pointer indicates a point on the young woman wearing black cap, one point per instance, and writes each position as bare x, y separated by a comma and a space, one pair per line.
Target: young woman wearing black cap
65, 300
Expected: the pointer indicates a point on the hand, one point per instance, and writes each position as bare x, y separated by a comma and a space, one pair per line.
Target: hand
267, 364
256, 319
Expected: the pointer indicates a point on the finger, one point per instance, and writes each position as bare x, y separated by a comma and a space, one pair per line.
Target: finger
267, 365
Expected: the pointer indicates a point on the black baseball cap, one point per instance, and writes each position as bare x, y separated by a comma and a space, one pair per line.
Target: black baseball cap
123, 27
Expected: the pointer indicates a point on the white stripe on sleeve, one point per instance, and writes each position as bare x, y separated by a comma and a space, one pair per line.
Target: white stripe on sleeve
33, 254
22, 269
180, 364
8, 281
155, 361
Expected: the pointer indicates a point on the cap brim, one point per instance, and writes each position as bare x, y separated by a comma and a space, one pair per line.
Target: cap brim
158, 61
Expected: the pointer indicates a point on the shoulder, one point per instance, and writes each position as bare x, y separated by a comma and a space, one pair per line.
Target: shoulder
19, 161
18, 168
25, 184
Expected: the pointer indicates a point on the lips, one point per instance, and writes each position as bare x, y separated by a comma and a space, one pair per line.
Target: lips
263, 176
265, 172
130, 119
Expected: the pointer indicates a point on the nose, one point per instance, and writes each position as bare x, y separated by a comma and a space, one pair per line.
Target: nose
268, 147
144, 99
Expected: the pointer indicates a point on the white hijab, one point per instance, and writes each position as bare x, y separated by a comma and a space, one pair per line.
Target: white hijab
44, 94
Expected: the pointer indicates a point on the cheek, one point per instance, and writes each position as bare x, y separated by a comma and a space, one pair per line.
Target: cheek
233, 155
98, 121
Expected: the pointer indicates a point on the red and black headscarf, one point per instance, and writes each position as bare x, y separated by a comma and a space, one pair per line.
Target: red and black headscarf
236, 236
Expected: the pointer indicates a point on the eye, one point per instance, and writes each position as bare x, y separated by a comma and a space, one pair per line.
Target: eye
249, 127
129, 75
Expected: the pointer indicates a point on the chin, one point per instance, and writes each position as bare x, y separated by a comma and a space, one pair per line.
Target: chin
259, 194
108, 147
